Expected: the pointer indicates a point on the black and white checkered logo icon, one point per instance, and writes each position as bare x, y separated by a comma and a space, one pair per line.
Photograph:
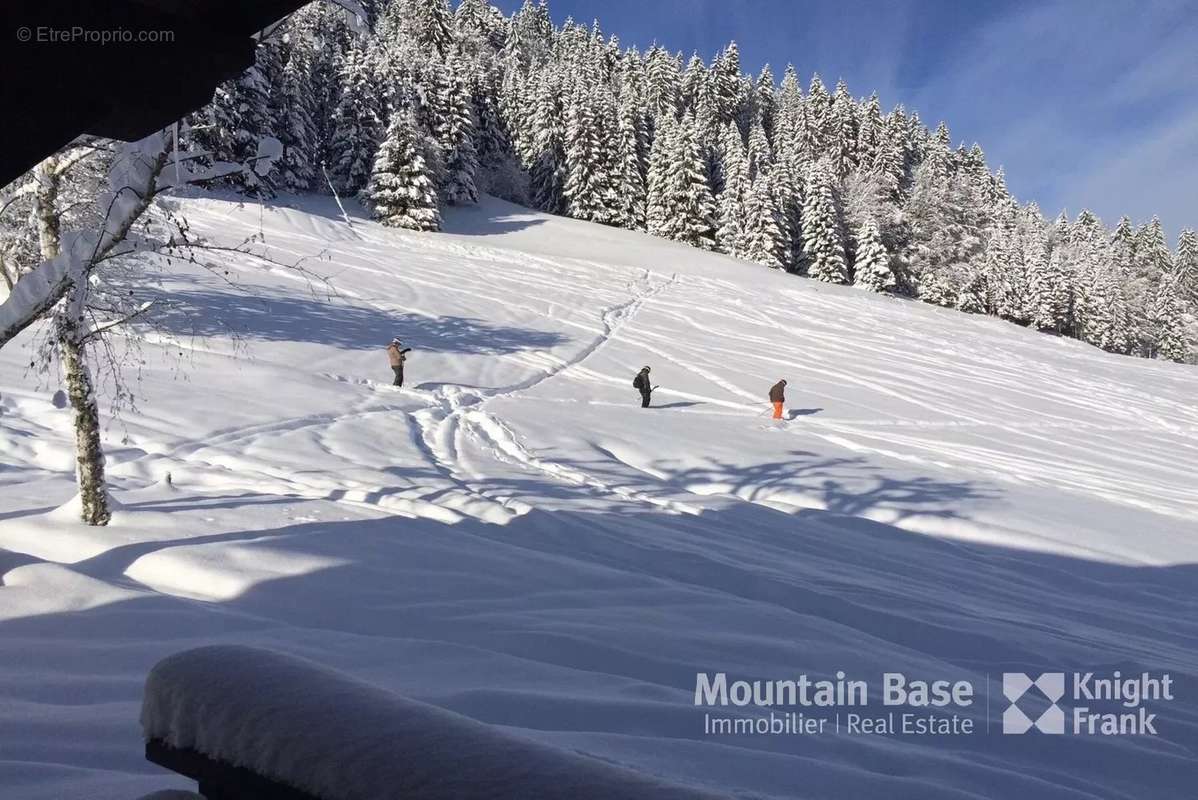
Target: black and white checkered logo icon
1016, 685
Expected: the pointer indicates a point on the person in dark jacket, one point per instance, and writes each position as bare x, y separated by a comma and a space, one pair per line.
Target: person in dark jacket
642, 385
397, 355
778, 397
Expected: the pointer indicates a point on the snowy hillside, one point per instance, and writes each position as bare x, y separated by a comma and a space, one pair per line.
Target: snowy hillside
511, 537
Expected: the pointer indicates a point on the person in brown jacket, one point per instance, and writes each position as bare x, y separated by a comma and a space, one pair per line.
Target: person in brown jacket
778, 397
397, 354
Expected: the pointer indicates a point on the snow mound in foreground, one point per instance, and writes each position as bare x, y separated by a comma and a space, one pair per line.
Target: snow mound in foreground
326, 733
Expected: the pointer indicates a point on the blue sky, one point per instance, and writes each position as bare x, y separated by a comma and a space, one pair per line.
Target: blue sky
1086, 103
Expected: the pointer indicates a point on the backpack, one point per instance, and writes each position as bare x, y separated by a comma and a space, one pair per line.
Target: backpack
638, 381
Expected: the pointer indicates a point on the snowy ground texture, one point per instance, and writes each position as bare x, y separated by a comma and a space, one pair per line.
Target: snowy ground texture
511, 538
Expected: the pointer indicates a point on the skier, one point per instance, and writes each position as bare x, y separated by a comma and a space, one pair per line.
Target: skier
641, 384
397, 354
778, 397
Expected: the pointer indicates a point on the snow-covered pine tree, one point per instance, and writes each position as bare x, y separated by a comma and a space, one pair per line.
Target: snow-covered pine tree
680, 203
732, 200
455, 133
401, 192
817, 110
763, 240
872, 269
761, 156
430, 23
480, 25
1166, 329
591, 188
693, 86
230, 127
842, 132
664, 81
1052, 295
823, 241
947, 241
871, 131
661, 152
358, 123
628, 169
726, 85
787, 187
1103, 316
321, 31
530, 35
547, 173
787, 129
889, 162
694, 220
765, 104
1187, 265
295, 123
1152, 262
1049, 287
1006, 271
1123, 247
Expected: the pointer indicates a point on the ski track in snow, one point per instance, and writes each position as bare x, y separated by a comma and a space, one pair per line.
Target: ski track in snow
513, 538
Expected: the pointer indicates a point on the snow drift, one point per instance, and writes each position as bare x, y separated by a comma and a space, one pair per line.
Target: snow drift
340, 739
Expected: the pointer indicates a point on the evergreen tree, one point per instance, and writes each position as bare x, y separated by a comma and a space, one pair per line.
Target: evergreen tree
359, 126
763, 240
482, 25
694, 83
658, 205
1051, 295
680, 202
788, 115
871, 269
454, 131
663, 82
1187, 264
590, 188
842, 132
889, 162
765, 105
1167, 339
1123, 247
817, 109
430, 23
628, 168
1007, 277
732, 200
401, 192
823, 242
548, 169
760, 155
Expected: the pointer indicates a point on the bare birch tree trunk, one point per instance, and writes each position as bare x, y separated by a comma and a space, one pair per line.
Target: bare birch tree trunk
89, 452
69, 330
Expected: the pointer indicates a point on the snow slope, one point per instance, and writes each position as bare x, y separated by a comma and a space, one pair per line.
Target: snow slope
510, 537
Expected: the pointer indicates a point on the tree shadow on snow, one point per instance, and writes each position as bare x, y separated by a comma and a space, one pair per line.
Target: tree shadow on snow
491, 217
615, 609
298, 317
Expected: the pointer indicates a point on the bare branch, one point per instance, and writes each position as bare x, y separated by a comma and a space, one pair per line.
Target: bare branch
106, 326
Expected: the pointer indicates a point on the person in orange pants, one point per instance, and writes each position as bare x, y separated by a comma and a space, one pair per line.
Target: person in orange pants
778, 397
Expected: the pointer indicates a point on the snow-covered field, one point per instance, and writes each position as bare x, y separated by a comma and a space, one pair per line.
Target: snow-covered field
511, 537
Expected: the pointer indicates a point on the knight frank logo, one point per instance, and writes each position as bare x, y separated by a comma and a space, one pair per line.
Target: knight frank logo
1016, 686
1111, 705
